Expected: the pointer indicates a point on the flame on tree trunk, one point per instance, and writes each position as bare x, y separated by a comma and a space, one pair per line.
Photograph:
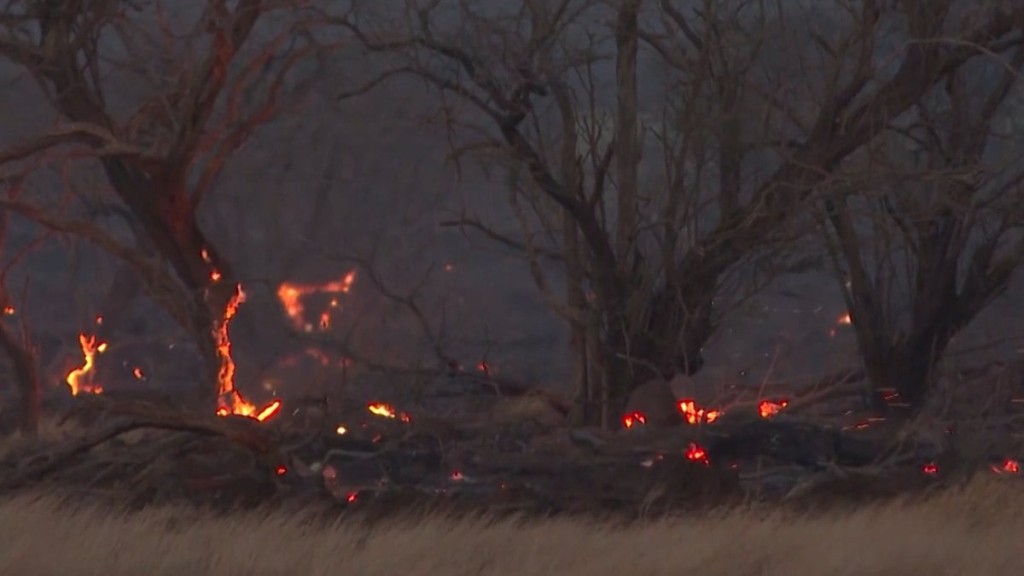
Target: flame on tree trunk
169, 218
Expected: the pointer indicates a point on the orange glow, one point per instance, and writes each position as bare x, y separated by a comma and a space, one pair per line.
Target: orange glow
695, 453
79, 379
281, 470
269, 411
352, 497
930, 469
696, 415
1009, 466
291, 295
215, 275
844, 319
137, 372
769, 408
382, 409
634, 419
229, 399
9, 310
341, 430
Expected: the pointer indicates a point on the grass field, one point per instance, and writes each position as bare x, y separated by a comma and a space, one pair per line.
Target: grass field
976, 532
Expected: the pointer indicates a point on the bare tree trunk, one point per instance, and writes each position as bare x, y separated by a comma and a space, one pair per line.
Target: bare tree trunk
626, 148
23, 361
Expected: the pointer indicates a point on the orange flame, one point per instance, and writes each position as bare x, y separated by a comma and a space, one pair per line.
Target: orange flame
695, 453
386, 411
137, 373
291, 296
230, 400
769, 408
9, 310
844, 319
634, 419
696, 415
382, 409
78, 379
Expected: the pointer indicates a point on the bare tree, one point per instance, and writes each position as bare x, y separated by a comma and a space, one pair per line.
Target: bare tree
17, 344
925, 228
196, 82
650, 214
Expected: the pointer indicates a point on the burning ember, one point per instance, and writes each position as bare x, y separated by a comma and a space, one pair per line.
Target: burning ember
634, 419
386, 411
696, 415
844, 319
769, 408
1009, 466
930, 469
80, 379
230, 400
291, 296
695, 453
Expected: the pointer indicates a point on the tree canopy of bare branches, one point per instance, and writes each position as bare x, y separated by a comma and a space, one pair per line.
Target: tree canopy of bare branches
157, 97
652, 200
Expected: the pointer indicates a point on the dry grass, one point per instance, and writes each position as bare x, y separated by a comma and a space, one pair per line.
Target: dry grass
976, 532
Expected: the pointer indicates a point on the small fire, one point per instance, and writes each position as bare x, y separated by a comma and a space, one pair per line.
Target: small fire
215, 274
291, 296
352, 497
769, 408
386, 411
281, 470
9, 310
930, 469
634, 419
695, 453
1009, 466
696, 415
137, 373
341, 430
844, 319
230, 400
79, 379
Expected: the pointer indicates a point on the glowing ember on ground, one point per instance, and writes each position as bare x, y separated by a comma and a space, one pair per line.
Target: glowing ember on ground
381, 409
695, 453
281, 470
930, 469
79, 379
634, 419
291, 296
341, 430
9, 310
1009, 466
386, 411
769, 408
844, 319
457, 476
137, 373
352, 497
229, 399
696, 415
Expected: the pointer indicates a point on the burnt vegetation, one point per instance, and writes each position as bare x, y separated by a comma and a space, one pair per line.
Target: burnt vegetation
653, 166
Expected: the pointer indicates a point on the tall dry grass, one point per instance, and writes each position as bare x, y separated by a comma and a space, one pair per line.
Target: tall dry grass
975, 532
